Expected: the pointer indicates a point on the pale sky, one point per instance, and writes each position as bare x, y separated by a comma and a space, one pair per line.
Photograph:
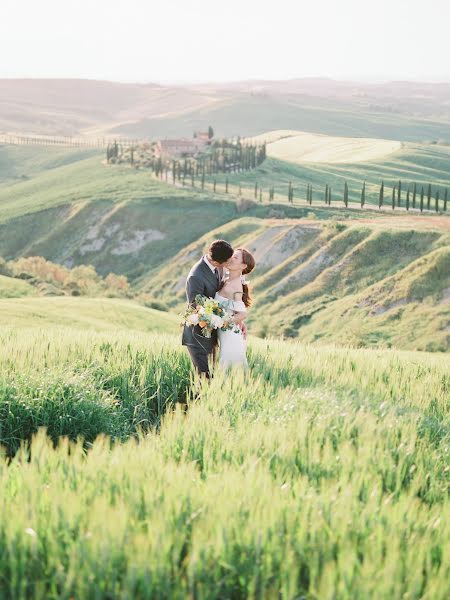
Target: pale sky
206, 40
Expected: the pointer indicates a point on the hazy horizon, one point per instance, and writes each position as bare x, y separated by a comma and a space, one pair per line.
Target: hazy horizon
237, 80
199, 41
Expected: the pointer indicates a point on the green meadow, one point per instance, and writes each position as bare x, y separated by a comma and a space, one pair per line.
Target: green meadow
321, 474
422, 164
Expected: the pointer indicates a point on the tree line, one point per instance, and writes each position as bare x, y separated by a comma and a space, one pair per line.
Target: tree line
422, 198
222, 156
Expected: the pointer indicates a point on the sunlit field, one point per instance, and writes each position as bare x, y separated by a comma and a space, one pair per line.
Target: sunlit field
301, 146
323, 474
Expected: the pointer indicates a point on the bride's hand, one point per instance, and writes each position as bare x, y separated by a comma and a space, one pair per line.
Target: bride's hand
238, 318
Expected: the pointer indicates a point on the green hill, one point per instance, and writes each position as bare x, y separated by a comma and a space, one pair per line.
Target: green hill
251, 114
407, 111
93, 314
10, 287
313, 280
314, 263
422, 164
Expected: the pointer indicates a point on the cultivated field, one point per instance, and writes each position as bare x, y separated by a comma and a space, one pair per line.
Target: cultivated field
322, 475
301, 147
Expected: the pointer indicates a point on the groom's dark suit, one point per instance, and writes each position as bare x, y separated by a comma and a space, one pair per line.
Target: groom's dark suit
201, 280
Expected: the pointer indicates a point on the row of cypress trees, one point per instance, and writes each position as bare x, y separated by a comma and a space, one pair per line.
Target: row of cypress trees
425, 199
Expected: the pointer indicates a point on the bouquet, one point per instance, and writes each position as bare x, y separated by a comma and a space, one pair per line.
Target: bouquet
209, 314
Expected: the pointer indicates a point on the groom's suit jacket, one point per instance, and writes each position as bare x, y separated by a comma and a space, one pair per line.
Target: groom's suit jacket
201, 280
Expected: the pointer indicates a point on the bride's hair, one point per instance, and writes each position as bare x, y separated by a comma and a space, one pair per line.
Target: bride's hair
250, 262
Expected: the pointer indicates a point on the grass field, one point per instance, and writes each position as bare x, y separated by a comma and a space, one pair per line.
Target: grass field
98, 314
422, 164
324, 474
300, 147
14, 288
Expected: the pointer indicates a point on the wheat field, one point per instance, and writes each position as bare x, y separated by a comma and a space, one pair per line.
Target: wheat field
321, 475
303, 147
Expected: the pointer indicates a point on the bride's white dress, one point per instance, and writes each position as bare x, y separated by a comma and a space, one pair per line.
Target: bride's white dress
232, 345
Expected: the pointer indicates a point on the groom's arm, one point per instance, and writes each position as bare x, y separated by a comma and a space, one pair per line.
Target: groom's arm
194, 287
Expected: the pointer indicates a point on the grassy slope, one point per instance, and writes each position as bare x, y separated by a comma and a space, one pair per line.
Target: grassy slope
94, 314
313, 279
10, 287
248, 115
414, 163
19, 163
83, 212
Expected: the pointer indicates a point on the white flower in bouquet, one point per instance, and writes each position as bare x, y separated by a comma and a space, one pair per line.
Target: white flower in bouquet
193, 319
216, 321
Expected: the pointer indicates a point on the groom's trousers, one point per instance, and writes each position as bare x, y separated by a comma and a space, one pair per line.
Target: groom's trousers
200, 360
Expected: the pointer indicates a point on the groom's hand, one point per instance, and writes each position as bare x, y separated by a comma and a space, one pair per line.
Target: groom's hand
243, 327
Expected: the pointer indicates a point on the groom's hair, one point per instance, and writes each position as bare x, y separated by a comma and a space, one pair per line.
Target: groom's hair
220, 251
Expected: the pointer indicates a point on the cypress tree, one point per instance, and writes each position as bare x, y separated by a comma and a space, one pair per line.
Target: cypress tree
399, 196
421, 200
381, 196
326, 194
429, 197
260, 194
329, 196
346, 194
445, 200
214, 186
393, 198
363, 195
290, 192
173, 172
414, 196
436, 201
256, 190
226, 185
407, 200
203, 178
310, 193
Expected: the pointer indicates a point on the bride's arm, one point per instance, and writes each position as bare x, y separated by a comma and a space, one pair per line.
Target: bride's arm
239, 317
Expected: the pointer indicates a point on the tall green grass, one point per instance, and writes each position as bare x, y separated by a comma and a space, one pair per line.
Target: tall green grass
322, 473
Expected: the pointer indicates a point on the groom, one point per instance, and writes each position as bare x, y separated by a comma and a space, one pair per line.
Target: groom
205, 279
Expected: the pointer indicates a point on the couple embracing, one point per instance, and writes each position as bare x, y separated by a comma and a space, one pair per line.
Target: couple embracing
220, 275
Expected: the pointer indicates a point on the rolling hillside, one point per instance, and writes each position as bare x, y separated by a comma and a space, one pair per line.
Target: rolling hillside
95, 314
318, 267
403, 111
301, 147
422, 164
363, 285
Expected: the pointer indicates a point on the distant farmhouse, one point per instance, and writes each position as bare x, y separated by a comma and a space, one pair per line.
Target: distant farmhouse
180, 148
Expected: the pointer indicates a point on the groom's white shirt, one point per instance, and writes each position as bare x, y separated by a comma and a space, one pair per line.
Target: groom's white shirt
212, 267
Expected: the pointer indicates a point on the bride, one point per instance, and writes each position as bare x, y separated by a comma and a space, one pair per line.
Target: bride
234, 294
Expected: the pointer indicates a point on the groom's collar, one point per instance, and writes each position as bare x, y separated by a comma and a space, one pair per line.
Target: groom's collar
211, 266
